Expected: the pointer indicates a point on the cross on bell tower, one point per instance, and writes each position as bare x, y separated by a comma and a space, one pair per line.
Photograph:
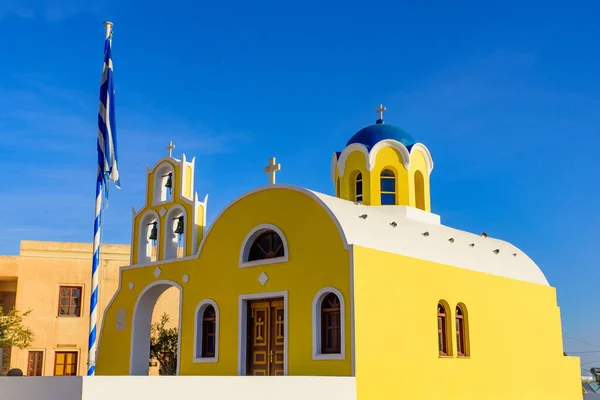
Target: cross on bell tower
170, 148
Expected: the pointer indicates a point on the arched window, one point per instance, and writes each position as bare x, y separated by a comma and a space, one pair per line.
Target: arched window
209, 326
462, 348
164, 183
358, 188
419, 190
207, 332
331, 334
388, 187
328, 325
443, 344
267, 245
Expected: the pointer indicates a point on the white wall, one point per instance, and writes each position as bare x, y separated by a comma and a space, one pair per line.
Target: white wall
178, 387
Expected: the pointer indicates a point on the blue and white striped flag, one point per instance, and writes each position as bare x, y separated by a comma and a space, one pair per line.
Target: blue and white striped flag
107, 170
107, 132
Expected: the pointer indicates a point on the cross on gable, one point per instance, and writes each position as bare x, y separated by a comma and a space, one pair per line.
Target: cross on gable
271, 169
170, 148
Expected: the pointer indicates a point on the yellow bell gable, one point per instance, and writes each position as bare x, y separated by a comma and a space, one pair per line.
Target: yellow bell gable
171, 206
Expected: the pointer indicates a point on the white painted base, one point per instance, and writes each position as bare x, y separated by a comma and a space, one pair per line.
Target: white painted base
178, 387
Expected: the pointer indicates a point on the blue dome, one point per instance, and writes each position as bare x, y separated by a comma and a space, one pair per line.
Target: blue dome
373, 134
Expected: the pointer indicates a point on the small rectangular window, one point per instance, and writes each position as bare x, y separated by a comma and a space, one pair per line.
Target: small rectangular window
388, 199
69, 303
35, 363
65, 363
388, 184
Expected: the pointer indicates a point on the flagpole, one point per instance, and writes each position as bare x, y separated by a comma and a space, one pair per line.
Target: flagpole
93, 343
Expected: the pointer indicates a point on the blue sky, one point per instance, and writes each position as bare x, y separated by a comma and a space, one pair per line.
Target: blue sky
505, 96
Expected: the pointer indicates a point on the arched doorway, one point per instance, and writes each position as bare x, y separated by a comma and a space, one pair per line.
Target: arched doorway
143, 319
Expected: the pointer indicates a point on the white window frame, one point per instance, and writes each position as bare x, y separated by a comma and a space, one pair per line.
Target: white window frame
316, 325
249, 240
198, 332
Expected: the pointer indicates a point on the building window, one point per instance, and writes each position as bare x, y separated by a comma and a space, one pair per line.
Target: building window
328, 325
34, 363
267, 245
65, 363
461, 332
209, 327
443, 343
69, 304
388, 187
331, 334
206, 344
358, 185
419, 190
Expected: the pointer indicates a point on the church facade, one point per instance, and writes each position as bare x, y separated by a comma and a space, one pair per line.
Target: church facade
367, 283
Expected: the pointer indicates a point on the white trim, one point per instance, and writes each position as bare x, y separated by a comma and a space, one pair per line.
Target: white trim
198, 332
349, 149
131, 252
166, 236
141, 345
316, 325
249, 240
143, 228
371, 155
404, 153
243, 322
425, 151
334, 161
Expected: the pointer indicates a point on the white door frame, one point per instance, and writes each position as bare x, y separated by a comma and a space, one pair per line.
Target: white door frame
243, 326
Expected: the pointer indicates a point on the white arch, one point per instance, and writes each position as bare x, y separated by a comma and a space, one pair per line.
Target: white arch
170, 238
316, 325
159, 191
144, 244
425, 151
389, 143
334, 161
349, 149
142, 320
198, 313
249, 240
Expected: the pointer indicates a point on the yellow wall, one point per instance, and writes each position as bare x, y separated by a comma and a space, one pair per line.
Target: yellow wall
515, 333
317, 259
386, 158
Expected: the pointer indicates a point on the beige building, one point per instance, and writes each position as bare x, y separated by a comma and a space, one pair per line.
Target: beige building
53, 280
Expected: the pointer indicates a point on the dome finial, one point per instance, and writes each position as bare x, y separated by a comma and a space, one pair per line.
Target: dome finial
380, 111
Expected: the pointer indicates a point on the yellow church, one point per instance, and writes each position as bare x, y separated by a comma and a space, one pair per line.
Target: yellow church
367, 284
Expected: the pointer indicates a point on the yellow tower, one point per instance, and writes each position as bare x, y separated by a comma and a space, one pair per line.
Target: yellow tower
171, 223
383, 165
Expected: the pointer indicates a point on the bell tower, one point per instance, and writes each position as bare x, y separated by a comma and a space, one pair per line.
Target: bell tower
171, 223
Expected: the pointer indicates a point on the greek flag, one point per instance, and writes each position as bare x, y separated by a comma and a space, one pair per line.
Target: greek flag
107, 132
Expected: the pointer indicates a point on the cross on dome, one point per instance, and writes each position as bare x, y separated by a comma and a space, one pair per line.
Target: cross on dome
271, 169
380, 111
170, 148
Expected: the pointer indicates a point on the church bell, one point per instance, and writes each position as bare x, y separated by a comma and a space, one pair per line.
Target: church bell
153, 232
179, 229
169, 183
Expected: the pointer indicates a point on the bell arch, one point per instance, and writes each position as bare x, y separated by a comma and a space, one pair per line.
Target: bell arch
163, 183
147, 251
176, 219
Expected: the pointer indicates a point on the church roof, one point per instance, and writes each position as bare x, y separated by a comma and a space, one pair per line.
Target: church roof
419, 234
372, 134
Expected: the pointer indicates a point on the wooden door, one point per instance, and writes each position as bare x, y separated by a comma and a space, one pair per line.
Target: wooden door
265, 335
